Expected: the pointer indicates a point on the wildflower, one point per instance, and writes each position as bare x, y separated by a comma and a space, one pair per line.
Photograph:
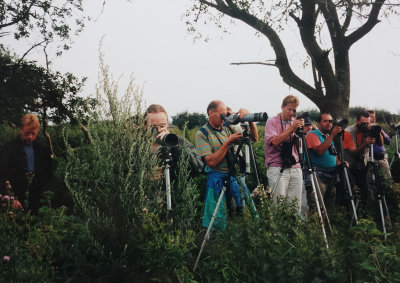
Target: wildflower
6, 197
145, 210
6, 258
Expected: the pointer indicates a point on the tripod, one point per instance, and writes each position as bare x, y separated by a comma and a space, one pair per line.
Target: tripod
396, 154
377, 187
303, 150
343, 174
167, 156
226, 182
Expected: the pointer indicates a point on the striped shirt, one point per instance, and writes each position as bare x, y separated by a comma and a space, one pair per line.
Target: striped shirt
208, 145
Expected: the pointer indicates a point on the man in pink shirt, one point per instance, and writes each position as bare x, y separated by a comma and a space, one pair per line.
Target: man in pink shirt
284, 174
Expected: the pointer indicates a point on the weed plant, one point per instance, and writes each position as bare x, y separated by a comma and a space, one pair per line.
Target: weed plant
117, 187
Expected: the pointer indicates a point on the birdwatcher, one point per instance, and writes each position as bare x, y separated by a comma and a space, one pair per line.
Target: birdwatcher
213, 142
25, 165
281, 152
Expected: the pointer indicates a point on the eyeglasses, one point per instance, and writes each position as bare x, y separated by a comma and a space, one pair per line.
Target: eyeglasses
329, 121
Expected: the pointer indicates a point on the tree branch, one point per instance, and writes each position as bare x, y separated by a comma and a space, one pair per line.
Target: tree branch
369, 24
318, 56
254, 63
29, 50
349, 15
281, 62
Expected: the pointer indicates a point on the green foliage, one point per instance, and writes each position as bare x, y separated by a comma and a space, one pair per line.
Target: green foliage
27, 87
116, 185
51, 19
46, 247
190, 120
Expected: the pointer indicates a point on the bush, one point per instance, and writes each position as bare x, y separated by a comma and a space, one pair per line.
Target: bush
113, 183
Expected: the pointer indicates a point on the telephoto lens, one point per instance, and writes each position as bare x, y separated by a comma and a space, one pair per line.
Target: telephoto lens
170, 140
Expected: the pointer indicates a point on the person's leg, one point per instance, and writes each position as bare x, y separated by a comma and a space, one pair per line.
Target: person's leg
295, 186
278, 181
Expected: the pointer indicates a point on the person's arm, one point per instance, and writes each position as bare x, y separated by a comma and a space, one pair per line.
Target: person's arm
253, 131
195, 161
216, 158
321, 148
204, 149
358, 150
386, 138
277, 140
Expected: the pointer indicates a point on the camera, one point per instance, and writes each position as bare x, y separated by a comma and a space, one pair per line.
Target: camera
374, 132
341, 123
252, 117
287, 157
363, 127
396, 128
169, 139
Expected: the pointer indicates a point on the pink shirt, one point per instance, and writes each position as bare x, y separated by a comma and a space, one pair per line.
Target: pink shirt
273, 128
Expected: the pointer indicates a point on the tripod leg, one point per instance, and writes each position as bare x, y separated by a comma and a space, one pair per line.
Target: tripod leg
168, 187
347, 182
321, 220
321, 197
378, 186
387, 210
207, 236
276, 184
391, 162
382, 218
354, 215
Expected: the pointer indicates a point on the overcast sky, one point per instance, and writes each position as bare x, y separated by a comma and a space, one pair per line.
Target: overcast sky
148, 38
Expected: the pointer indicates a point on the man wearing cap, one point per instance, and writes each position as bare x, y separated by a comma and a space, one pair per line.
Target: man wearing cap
323, 156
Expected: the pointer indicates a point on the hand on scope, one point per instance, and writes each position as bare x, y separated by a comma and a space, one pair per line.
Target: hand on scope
234, 138
162, 131
243, 112
370, 140
297, 123
336, 130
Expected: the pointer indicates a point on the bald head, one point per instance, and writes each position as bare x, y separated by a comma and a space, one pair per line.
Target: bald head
214, 106
214, 111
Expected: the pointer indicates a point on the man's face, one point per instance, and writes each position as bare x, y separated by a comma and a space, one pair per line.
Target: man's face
215, 116
372, 118
326, 124
158, 121
28, 134
363, 120
307, 128
288, 112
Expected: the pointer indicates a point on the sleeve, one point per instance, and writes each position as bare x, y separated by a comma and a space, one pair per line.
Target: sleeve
386, 138
312, 140
203, 148
271, 131
194, 159
348, 141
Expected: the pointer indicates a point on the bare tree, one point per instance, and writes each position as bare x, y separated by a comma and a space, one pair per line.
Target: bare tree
330, 67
